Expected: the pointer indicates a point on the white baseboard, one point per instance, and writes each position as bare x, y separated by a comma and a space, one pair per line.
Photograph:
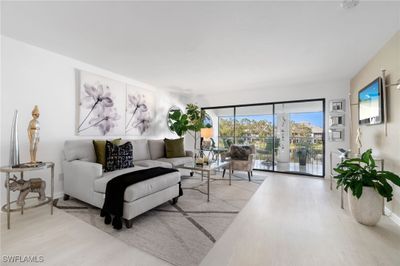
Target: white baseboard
392, 216
58, 195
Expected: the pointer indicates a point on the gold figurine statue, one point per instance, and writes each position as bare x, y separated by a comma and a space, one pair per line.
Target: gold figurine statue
33, 134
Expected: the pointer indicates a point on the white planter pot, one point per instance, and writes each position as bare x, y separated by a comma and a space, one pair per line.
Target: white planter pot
368, 209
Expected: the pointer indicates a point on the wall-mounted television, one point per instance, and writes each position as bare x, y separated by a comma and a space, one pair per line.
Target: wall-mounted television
370, 103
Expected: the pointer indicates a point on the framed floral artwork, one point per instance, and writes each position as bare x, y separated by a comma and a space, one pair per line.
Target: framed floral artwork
101, 106
140, 111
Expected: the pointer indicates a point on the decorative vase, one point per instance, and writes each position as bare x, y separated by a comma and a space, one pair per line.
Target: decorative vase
367, 209
14, 142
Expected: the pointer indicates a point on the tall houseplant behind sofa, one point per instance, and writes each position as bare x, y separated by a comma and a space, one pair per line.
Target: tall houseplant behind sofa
84, 179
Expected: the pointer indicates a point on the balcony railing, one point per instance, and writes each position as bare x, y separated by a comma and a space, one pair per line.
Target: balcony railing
313, 146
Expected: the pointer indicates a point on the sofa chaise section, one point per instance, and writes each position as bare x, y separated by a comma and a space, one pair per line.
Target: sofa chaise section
85, 180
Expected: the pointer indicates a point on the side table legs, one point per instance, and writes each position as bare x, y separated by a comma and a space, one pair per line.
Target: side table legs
331, 172
230, 174
8, 199
52, 189
208, 185
341, 198
22, 207
383, 203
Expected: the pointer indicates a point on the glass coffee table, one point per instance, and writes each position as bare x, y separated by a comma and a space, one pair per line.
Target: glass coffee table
207, 168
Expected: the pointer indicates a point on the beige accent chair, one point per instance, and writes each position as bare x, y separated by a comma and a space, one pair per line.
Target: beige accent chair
242, 158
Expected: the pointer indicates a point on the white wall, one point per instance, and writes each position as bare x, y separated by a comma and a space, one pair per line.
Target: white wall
34, 76
329, 90
373, 137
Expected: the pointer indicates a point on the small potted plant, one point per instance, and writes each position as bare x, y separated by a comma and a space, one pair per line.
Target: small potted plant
368, 187
302, 153
303, 149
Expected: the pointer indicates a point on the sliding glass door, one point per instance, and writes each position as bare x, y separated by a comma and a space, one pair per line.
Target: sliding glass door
299, 131
289, 137
254, 126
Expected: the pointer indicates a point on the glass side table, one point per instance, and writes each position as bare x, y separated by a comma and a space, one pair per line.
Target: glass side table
30, 202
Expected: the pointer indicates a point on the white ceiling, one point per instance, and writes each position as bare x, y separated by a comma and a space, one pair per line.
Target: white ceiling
209, 46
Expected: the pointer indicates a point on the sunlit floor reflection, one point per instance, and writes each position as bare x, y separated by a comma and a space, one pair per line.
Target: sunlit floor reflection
313, 168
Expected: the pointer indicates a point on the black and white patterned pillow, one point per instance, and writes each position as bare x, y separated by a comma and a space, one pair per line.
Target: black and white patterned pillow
240, 152
118, 157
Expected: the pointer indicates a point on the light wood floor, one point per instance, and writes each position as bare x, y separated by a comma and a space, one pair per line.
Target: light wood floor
290, 220
65, 240
294, 220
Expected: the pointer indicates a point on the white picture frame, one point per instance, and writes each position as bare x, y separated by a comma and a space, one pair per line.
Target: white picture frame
336, 134
336, 120
338, 105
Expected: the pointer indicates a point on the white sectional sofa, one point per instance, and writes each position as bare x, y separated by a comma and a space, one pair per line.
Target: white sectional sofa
85, 180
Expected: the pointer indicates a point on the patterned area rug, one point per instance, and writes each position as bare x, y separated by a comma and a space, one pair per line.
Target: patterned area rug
180, 234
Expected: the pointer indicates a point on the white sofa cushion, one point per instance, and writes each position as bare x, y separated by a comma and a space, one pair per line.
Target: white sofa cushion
152, 163
79, 150
140, 189
140, 149
177, 161
157, 148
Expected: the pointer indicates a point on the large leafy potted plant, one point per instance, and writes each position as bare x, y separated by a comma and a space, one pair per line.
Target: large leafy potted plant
182, 123
367, 185
178, 122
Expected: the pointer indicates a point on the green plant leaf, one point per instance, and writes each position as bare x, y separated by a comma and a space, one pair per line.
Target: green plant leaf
384, 183
358, 190
381, 190
192, 120
175, 115
395, 179
365, 157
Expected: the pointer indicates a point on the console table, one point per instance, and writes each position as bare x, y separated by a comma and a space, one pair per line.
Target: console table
8, 170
